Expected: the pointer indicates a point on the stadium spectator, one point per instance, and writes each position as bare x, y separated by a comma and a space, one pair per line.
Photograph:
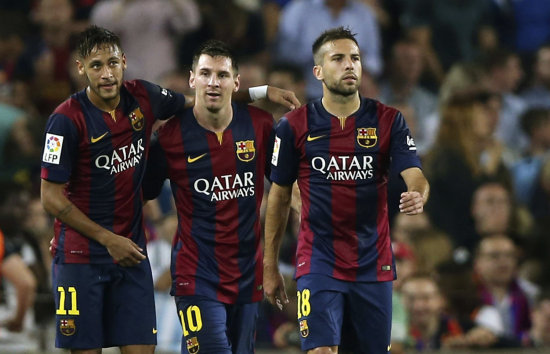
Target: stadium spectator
539, 334
158, 23
537, 94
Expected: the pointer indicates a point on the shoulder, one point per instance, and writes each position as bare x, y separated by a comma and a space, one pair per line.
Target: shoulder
257, 113
70, 108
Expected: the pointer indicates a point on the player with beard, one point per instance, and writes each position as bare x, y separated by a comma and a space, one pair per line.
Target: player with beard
96, 143
340, 149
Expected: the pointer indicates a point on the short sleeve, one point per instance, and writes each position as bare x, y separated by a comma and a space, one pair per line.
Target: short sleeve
402, 146
284, 160
60, 148
164, 102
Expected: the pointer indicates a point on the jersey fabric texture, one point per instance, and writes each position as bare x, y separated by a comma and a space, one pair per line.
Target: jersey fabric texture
342, 167
217, 180
101, 158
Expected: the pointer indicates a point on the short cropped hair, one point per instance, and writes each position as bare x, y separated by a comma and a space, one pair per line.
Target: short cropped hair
215, 48
96, 37
330, 35
533, 119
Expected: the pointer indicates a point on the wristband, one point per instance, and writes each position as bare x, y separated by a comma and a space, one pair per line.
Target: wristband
257, 92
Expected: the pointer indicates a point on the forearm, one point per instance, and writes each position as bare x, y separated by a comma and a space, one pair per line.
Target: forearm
278, 206
19, 275
56, 204
416, 182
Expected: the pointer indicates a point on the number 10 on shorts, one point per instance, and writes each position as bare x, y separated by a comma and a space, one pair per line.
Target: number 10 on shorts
61, 310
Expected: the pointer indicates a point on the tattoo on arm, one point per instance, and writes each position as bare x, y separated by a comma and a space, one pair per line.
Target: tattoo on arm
65, 211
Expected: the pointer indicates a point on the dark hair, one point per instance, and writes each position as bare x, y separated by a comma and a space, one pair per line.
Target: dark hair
496, 58
533, 118
329, 36
215, 48
289, 68
472, 96
96, 37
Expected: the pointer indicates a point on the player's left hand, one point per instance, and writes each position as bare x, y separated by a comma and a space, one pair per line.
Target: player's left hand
283, 97
411, 203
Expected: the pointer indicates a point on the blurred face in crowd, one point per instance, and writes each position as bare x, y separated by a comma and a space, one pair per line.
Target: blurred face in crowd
422, 301
482, 123
54, 13
103, 69
541, 321
542, 66
340, 68
214, 81
510, 74
407, 62
406, 225
496, 260
491, 209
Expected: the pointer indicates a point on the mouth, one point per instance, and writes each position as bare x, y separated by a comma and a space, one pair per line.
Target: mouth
213, 94
350, 77
108, 86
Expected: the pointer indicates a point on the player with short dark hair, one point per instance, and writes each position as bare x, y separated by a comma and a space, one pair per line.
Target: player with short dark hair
216, 156
96, 143
340, 149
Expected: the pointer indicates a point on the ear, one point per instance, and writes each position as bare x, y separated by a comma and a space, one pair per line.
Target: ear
237, 83
318, 72
123, 61
191, 79
80, 67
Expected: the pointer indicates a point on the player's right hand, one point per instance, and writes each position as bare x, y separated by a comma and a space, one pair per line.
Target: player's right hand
274, 287
124, 251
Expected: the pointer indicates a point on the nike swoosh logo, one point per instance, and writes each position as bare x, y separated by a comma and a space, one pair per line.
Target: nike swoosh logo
155, 331
95, 140
193, 159
311, 138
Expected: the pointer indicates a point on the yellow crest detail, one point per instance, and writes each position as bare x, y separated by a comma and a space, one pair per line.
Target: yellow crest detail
136, 117
304, 329
67, 327
192, 345
366, 137
245, 150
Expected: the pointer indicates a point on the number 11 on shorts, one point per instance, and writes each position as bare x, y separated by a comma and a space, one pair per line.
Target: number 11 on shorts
61, 310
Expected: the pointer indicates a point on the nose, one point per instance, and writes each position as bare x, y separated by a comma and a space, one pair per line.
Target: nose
107, 72
348, 63
214, 81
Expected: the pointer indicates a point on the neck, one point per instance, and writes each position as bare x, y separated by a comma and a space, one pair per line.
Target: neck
340, 106
104, 105
213, 121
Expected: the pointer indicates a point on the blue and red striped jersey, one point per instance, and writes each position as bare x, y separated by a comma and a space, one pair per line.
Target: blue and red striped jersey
342, 167
101, 158
217, 180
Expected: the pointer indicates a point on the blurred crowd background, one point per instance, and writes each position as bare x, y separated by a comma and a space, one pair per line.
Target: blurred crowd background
472, 78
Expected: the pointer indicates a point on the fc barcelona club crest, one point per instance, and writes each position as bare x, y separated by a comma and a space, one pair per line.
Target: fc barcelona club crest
192, 345
245, 150
67, 327
136, 117
366, 137
304, 329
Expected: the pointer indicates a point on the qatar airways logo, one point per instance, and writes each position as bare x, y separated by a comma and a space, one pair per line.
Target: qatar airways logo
122, 158
226, 187
344, 168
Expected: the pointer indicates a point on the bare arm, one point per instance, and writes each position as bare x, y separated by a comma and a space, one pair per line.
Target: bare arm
412, 201
278, 207
121, 248
15, 271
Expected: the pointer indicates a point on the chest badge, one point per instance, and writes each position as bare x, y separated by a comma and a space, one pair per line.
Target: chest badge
137, 119
366, 137
245, 150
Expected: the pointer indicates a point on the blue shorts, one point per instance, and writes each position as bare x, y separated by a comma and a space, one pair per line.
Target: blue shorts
103, 305
330, 310
210, 326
